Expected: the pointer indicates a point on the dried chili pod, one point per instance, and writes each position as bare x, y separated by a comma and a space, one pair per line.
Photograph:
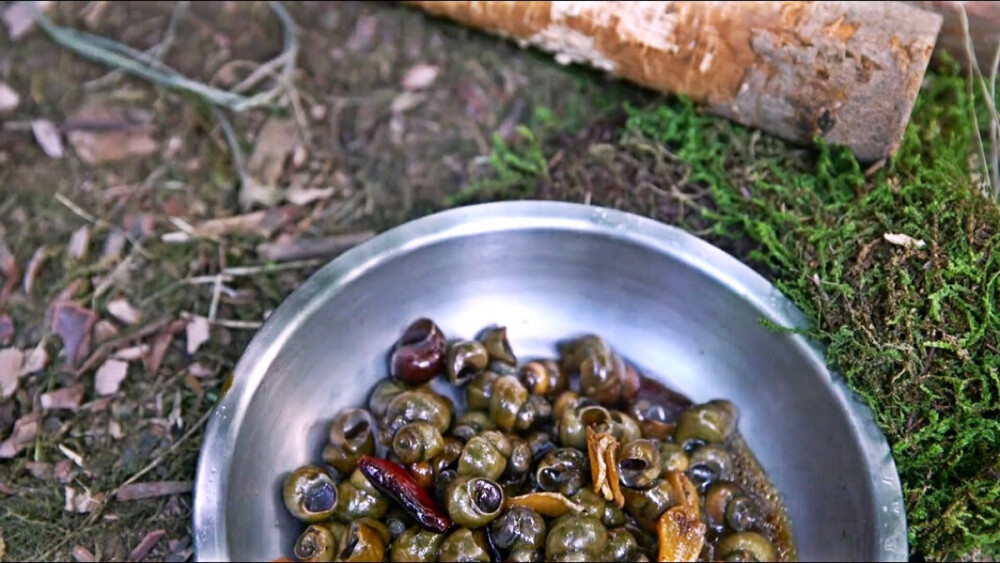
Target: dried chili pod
395, 482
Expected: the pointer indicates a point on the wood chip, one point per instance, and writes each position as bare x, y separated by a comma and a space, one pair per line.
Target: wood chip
47, 136
146, 545
109, 377
9, 99
302, 249
138, 491
79, 243
68, 398
82, 554
25, 431
11, 360
197, 333
905, 241
122, 310
419, 76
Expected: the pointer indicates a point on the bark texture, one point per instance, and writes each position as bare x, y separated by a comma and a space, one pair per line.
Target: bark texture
846, 71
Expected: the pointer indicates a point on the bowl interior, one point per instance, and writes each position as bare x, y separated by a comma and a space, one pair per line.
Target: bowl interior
681, 310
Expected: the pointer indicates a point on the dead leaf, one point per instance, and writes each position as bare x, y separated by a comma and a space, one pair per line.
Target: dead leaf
79, 243
275, 142
63, 471
34, 267
405, 101
73, 324
6, 329
681, 534
68, 398
19, 18
110, 376
82, 502
197, 333
161, 344
8, 267
419, 76
80, 553
71, 290
24, 433
905, 241
115, 430
146, 545
133, 353
122, 310
9, 99
114, 245
200, 370
39, 470
363, 37
139, 491
35, 361
11, 360
301, 249
305, 196
104, 331
112, 136
47, 136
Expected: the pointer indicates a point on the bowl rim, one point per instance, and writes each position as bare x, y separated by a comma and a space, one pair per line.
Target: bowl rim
222, 430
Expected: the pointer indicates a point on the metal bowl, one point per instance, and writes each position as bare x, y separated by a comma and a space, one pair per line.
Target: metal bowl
682, 310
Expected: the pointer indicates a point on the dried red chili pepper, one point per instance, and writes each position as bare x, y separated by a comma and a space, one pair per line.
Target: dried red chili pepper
392, 480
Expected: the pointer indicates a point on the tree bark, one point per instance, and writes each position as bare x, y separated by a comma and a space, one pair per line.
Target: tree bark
846, 71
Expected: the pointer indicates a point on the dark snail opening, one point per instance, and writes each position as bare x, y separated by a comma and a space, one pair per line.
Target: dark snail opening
357, 428
487, 496
702, 476
351, 543
313, 541
320, 496
633, 465
505, 530
591, 415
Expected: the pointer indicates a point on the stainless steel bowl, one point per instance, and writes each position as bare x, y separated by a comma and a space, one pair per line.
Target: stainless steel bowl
682, 310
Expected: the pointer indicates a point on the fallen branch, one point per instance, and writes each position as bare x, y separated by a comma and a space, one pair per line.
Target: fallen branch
848, 72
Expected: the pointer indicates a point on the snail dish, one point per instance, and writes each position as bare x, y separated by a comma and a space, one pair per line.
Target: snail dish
573, 458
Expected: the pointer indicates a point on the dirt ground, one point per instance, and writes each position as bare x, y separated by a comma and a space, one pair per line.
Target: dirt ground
397, 118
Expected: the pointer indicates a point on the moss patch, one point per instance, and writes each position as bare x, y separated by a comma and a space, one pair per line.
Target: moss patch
912, 329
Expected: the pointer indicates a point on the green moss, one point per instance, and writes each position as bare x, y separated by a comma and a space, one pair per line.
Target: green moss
913, 330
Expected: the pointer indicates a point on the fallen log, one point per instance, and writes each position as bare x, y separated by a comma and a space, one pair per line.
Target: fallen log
983, 31
846, 71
